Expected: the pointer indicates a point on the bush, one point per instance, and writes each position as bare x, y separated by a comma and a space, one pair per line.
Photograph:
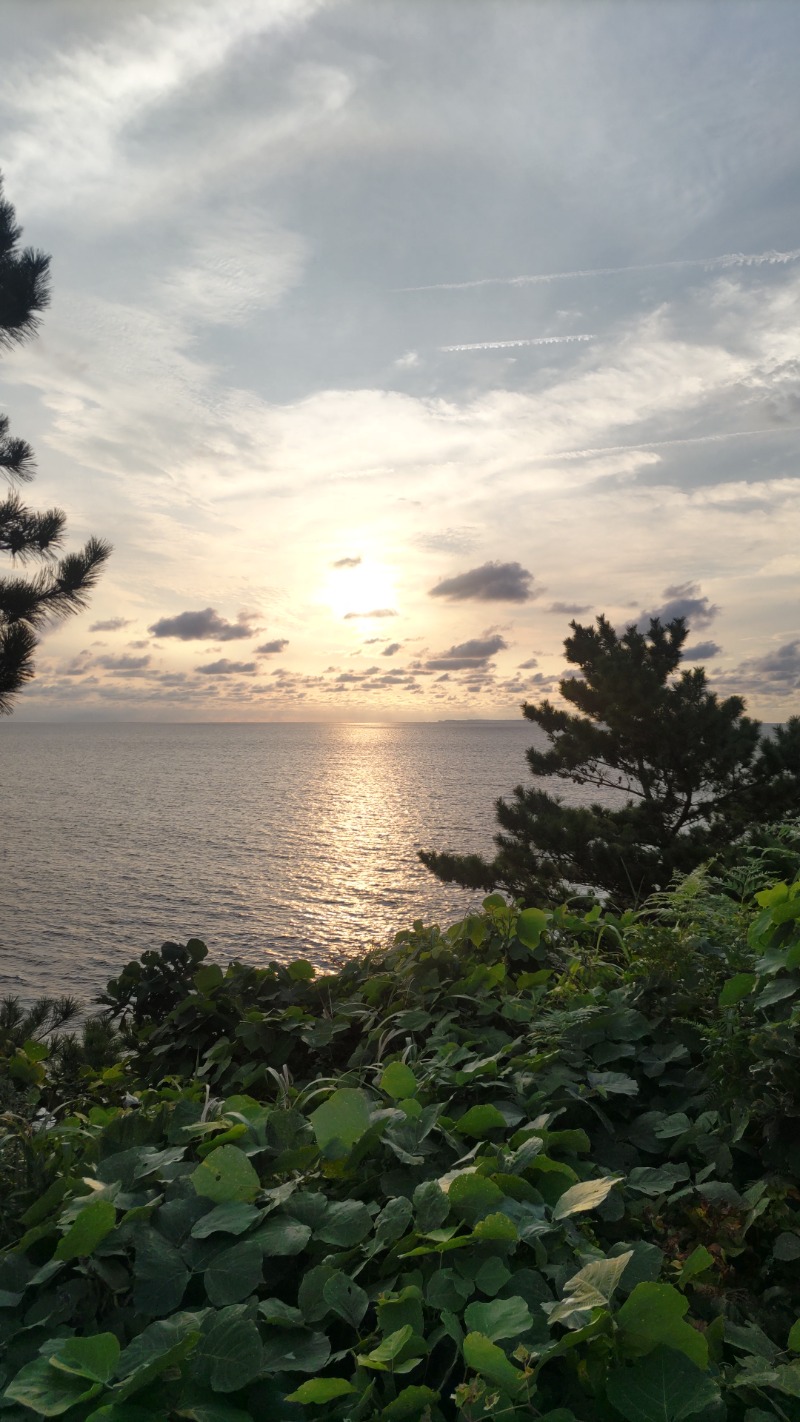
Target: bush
489, 1172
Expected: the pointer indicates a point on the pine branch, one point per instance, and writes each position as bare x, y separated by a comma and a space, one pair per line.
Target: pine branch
17, 645
16, 455
24, 534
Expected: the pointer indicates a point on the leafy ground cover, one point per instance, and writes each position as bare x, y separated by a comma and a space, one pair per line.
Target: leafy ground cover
538, 1165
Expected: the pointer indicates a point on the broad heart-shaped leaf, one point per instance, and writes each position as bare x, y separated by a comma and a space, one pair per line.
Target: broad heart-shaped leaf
787, 1246
389, 1350
737, 987
94, 1358
158, 1347
340, 1121
47, 1390
346, 1222
530, 926
479, 1120
93, 1223
664, 1387
656, 1179
590, 1288
472, 1197
160, 1275
232, 1218
225, 1175
584, 1196
229, 1355
399, 1081
794, 1337
345, 1298
394, 1219
280, 1237
502, 1318
294, 1350
484, 1356
319, 1390
235, 1273
432, 1206
653, 1316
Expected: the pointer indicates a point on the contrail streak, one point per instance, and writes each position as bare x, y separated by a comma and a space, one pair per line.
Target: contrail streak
770, 258
503, 345
661, 443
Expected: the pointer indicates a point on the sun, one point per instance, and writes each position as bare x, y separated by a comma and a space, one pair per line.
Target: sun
360, 590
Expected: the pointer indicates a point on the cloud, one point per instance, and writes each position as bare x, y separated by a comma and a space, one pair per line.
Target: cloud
346, 563
122, 665
701, 652
782, 665
468, 656
225, 668
376, 612
112, 624
529, 665
267, 649
530, 341
683, 600
492, 582
203, 626
726, 260
569, 609
391, 649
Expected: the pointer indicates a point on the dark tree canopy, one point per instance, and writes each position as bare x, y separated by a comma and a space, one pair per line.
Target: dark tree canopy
691, 772
60, 586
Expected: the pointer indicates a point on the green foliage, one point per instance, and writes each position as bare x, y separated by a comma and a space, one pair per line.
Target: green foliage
691, 770
515, 1169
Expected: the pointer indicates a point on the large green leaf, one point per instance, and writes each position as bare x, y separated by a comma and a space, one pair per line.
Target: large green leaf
663, 1387
502, 1318
280, 1237
584, 1196
341, 1121
230, 1353
294, 1350
472, 1197
317, 1391
160, 1275
232, 1218
93, 1223
592, 1287
235, 1273
479, 1121
657, 1179
159, 1347
226, 1175
95, 1358
484, 1356
398, 1081
346, 1298
48, 1390
653, 1315
346, 1222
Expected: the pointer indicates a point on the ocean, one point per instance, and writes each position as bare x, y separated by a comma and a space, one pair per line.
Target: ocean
268, 841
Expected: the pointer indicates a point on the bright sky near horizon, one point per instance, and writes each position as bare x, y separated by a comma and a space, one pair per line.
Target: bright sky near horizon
385, 338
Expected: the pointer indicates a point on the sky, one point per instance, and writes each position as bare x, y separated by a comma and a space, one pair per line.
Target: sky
385, 339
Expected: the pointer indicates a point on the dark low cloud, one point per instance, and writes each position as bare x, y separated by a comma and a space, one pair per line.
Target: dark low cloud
569, 609
683, 600
112, 624
122, 664
226, 668
468, 656
528, 666
203, 626
782, 665
376, 612
701, 651
492, 582
346, 563
391, 649
267, 649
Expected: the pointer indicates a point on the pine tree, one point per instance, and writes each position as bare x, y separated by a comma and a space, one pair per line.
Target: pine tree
691, 771
60, 585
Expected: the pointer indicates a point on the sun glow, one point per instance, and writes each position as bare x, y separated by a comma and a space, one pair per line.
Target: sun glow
358, 592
